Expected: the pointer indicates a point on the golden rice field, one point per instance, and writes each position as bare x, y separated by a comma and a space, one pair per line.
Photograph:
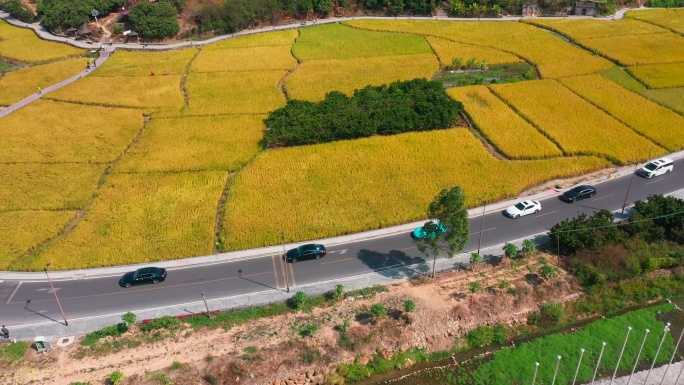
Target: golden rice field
22, 231
668, 18
160, 200
277, 57
142, 63
507, 131
50, 132
149, 93
660, 75
575, 124
314, 78
631, 50
526, 41
17, 85
661, 125
24, 45
670, 97
566, 68
257, 40
448, 50
337, 41
245, 92
196, 143
140, 218
326, 191
590, 28
38, 186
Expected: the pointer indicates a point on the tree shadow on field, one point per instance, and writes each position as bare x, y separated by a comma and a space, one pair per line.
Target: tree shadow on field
394, 264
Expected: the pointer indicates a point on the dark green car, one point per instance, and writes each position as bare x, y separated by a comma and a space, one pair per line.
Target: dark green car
310, 251
141, 276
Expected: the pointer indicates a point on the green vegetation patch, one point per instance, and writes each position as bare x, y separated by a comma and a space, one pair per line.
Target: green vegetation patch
623, 78
498, 73
12, 353
415, 105
335, 41
670, 97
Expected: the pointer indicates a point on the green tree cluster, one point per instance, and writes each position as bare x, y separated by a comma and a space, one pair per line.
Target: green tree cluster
57, 14
413, 105
665, 3
482, 8
585, 232
235, 15
395, 7
18, 9
668, 222
154, 20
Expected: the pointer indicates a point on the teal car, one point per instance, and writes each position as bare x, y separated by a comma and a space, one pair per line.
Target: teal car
420, 233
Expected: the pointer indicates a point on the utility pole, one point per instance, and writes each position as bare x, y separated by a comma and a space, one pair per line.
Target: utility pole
66, 323
282, 242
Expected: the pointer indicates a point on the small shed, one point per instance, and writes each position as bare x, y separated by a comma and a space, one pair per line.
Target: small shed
531, 9
585, 8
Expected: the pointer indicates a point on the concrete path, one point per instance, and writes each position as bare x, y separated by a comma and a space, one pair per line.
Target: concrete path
662, 375
104, 55
45, 34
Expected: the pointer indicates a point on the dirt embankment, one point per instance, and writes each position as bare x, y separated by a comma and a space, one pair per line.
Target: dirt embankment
272, 351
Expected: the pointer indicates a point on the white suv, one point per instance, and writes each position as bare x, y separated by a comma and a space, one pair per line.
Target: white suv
656, 167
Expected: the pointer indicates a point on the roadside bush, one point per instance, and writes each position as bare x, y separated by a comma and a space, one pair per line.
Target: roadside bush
480, 336
500, 334
116, 377
414, 105
309, 356
409, 306
345, 341
550, 314
166, 322
547, 272
368, 292
308, 330
354, 372
108, 331
300, 301
475, 287
378, 310
510, 250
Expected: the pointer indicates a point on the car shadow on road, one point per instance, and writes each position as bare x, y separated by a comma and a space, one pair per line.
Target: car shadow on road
394, 264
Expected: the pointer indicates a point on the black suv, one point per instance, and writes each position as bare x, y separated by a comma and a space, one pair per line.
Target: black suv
145, 275
310, 251
578, 193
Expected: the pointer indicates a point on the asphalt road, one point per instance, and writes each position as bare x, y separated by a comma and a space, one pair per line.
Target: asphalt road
24, 303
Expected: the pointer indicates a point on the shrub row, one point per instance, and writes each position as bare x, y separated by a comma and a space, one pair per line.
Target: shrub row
414, 105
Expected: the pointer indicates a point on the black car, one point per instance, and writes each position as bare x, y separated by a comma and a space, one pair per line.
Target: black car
310, 251
578, 193
145, 275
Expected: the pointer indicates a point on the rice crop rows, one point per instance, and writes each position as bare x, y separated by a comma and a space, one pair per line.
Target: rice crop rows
660, 75
37, 186
631, 50
22, 44
247, 92
656, 122
149, 93
531, 43
22, 231
19, 84
336, 41
506, 130
668, 18
448, 50
342, 187
576, 125
141, 218
276, 57
195, 143
671, 97
566, 68
143, 63
257, 40
587, 28
313, 79
49, 132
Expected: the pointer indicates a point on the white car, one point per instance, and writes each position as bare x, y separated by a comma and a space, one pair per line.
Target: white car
523, 208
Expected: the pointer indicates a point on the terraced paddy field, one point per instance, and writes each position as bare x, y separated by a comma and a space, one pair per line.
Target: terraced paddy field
125, 167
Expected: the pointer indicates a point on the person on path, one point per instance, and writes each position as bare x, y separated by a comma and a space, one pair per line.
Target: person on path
5, 332
151, 73
40, 90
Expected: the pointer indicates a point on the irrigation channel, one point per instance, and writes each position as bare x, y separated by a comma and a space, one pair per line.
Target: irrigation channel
459, 368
